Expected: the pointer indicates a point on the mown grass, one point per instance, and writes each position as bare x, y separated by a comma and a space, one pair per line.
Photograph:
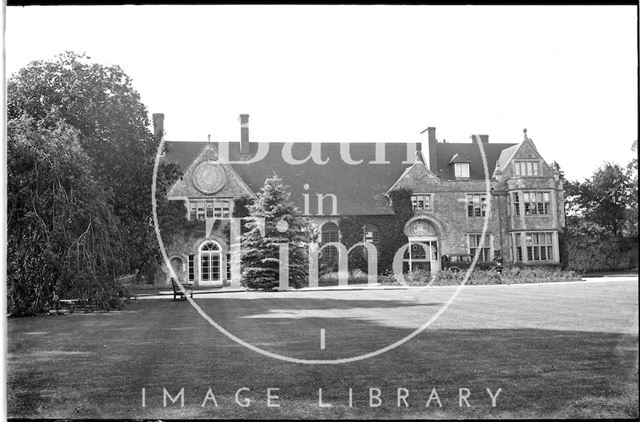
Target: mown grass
556, 350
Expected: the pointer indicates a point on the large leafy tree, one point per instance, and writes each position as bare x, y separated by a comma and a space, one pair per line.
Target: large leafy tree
605, 205
100, 102
283, 223
632, 204
62, 235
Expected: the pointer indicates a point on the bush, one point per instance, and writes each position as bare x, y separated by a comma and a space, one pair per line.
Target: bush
31, 280
417, 278
332, 278
512, 275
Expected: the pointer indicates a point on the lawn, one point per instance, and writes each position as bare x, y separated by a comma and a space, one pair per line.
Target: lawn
554, 350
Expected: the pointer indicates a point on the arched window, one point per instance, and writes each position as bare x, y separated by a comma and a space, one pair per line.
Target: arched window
210, 246
210, 261
330, 233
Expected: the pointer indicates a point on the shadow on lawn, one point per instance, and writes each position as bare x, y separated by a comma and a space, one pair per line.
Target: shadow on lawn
543, 373
264, 304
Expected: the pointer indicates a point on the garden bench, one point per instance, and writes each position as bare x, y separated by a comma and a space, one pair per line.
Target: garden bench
74, 304
188, 288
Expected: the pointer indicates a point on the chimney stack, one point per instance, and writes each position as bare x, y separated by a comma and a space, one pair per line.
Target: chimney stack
158, 126
419, 156
484, 139
244, 133
433, 149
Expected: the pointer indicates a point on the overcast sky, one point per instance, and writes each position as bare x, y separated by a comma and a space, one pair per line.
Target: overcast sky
366, 73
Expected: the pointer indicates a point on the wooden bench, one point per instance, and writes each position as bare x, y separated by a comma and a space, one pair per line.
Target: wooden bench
188, 288
73, 304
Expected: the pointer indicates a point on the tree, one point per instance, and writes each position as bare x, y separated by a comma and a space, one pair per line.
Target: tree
632, 203
283, 223
112, 126
602, 200
577, 225
62, 235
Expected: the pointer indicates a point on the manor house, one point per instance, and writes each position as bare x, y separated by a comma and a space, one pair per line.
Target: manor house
454, 187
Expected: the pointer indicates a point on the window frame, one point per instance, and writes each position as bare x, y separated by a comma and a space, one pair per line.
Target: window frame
486, 249
518, 248
516, 203
534, 245
471, 207
536, 202
191, 274
427, 198
201, 206
535, 250
527, 168
205, 208
324, 230
329, 255
461, 174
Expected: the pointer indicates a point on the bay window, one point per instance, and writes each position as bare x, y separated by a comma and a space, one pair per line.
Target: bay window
536, 203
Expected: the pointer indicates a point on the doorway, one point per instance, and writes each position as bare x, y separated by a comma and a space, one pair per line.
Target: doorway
210, 264
422, 254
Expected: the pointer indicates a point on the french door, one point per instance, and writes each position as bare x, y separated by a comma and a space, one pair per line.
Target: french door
210, 263
422, 254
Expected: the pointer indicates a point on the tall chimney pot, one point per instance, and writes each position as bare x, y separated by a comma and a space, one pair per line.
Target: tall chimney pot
433, 149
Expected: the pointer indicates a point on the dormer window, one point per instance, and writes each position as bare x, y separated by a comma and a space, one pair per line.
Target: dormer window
461, 170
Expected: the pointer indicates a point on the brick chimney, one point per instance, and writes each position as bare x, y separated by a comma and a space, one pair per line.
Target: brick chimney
158, 125
244, 133
433, 149
484, 139
419, 155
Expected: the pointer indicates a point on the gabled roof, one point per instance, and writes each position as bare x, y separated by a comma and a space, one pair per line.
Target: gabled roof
360, 189
506, 155
417, 174
459, 158
184, 187
469, 151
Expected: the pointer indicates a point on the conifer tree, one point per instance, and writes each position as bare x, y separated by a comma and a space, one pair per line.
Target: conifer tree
283, 223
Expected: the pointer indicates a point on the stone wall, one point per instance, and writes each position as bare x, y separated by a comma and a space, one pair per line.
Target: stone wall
188, 242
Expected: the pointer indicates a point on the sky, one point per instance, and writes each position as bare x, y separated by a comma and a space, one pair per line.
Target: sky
366, 73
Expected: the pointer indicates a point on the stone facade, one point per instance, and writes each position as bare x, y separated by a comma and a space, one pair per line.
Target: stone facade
459, 187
